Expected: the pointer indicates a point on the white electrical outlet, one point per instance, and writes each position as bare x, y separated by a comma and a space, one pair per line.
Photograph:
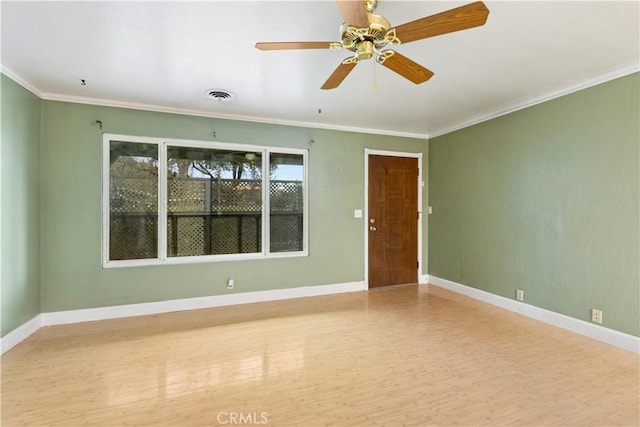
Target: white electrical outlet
596, 316
230, 284
519, 294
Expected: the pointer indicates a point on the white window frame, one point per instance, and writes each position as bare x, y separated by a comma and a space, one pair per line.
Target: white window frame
162, 144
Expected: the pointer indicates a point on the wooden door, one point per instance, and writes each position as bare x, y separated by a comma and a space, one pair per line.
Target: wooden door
393, 220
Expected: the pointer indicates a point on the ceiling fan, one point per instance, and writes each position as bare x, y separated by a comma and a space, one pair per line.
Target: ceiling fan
365, 34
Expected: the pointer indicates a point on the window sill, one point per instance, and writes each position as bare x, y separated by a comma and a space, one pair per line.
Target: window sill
202, 259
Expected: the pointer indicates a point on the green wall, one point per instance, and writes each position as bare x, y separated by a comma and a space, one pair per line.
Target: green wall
72, 276
20, 212
546, 200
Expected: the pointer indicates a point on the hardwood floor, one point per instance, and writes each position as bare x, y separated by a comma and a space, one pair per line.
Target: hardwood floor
411, 355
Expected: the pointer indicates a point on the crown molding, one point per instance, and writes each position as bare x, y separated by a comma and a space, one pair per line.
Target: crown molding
48, 96
312, 125
254, 119
539, 100
22, 82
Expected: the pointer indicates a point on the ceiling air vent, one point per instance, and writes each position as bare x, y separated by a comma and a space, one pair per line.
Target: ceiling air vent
219, 95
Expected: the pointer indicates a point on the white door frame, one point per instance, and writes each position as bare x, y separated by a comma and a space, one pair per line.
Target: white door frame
369, 152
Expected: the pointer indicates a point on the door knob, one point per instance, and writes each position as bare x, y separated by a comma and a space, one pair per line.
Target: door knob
372, 221
372, 228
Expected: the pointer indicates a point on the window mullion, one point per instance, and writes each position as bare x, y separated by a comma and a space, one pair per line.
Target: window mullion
162, 201
305, 198
266, 185
106, 202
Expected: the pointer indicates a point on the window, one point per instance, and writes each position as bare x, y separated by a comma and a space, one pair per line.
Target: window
184, 201
286, 202
214, 201
133, 201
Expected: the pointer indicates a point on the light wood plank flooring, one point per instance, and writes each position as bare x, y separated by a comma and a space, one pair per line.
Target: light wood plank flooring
411, 355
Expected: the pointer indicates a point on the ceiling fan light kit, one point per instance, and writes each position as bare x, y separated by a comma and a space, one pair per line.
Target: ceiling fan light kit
366, 34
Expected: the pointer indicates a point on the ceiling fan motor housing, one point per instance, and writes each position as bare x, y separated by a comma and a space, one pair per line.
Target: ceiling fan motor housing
364, 40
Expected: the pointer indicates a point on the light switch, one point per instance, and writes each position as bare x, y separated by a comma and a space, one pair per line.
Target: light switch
357, 213
430, 210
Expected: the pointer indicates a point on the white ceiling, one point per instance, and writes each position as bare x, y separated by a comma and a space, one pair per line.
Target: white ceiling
164, 55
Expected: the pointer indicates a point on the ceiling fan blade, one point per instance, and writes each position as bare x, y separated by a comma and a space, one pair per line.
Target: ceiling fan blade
293, 45
354, 12
338, 75
405, 67
460, 18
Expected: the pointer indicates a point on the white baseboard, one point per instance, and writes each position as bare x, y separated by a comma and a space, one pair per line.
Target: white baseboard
597, 332
20, 333
23, 331
424, 279
600, 333
129, 310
